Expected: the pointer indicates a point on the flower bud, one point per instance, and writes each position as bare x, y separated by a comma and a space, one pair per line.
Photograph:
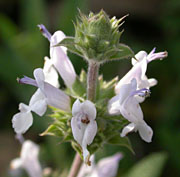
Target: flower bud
97, 38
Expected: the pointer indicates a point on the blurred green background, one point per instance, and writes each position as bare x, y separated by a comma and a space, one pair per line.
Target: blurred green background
151, 23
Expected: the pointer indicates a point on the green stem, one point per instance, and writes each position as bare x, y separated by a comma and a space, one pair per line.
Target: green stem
75, 166
92, 77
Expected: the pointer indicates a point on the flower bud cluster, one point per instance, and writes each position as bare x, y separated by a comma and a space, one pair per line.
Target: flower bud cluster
97, 38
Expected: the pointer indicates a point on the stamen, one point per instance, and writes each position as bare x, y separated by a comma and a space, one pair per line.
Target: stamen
142, 92
27, 80
45, 32
153, 56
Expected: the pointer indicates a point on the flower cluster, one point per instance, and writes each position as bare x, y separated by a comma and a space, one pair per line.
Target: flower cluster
113, 108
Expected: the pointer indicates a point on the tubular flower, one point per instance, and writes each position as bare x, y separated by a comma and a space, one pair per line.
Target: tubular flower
138, 70
125, 103
28, 159
84, 126
53, 96
46, 94
59, 56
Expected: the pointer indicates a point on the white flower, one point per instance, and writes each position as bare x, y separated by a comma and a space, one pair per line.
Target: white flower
59, 56
138, 70
28, 159
84, 126
125, 103
46, 94
106, 167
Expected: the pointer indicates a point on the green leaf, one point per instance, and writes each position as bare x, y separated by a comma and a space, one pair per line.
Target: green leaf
117, 140
150, 166
71, 45
123, 51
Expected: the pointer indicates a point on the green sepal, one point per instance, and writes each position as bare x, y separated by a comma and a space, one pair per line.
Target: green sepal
53, 130
78, 89
122, 51
60, 126
105, 90
77, 148
69, 43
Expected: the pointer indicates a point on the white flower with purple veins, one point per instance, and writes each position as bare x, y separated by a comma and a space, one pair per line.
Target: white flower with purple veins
126, 104
28, 159
84, 126
46, 94
58, 55
138, 71
106, 167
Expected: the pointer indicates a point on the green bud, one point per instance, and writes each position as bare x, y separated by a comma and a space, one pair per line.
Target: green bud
97, 38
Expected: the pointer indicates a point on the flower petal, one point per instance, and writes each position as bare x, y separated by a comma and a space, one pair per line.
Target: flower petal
90, 133
152, 82
114, 105
39, 77
61, 61
139, 56
145, 131
138, 71
108, 167
57, 37
129, 128
22, 121
16, 163
89, 108
50, 73
131, 110
56, 97
38, 103
77, 132
76, 108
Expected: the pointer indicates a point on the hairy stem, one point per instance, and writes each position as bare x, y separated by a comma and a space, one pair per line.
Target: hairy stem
75, 166
93, 71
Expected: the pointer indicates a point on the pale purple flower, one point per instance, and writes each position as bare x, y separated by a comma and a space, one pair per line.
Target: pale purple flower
84, 126
28, 159
58, 55
138, 70
106, 167
46, 94
53, 96
126, 104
